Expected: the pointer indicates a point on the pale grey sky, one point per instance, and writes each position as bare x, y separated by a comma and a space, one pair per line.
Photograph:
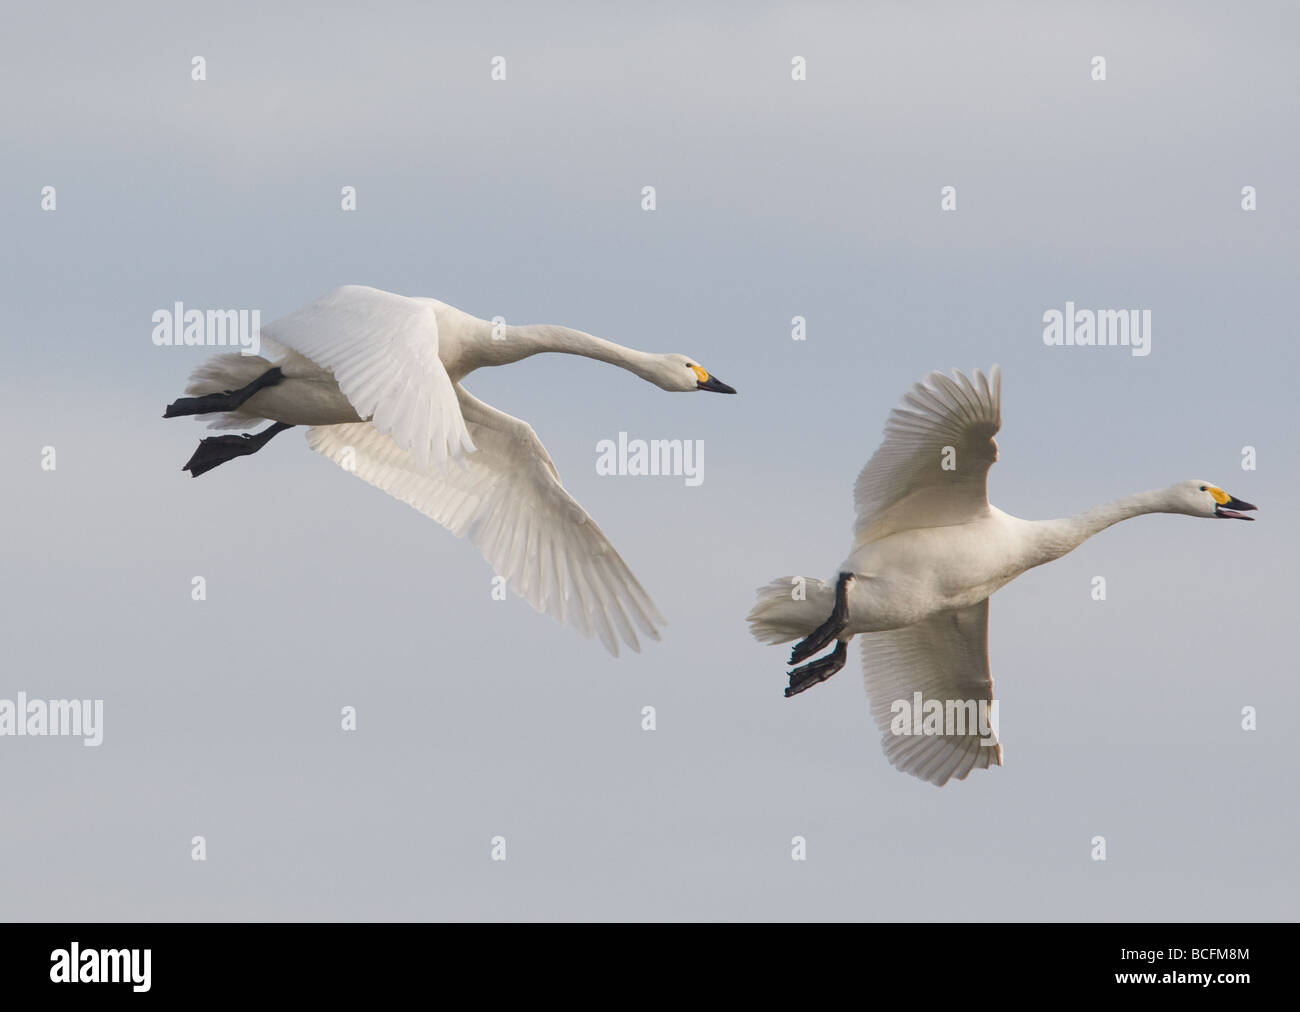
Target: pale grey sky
775, 199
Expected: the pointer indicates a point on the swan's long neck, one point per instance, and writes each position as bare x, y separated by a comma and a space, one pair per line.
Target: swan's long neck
510, 344
1054, 538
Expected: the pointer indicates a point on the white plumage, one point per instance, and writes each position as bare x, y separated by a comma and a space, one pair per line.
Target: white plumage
928, 550
377, 378
382, 351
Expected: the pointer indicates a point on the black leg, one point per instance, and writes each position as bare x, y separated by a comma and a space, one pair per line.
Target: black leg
227, 401
218, 449
831, 628
818, 671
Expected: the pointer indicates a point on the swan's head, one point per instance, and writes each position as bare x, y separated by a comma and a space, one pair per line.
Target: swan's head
681, 372
1202, 499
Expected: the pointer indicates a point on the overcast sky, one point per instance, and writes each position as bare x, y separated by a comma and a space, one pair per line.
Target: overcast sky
775, 199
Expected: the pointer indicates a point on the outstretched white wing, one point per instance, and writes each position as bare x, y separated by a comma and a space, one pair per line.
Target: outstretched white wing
508, 501
932, 468
945, 658
383, 351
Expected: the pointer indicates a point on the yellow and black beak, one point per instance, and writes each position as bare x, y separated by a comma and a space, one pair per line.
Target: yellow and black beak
706, 382
1228, 507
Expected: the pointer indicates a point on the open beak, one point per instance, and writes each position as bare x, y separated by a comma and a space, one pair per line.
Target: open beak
1229, 510
718, 387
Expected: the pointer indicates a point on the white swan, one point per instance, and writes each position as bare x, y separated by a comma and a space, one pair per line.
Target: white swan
377, 377
928, 550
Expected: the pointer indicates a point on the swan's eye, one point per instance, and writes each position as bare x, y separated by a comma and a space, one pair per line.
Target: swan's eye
1204, 488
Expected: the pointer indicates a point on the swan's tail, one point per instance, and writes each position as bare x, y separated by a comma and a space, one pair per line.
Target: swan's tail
790, 608
227, 372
